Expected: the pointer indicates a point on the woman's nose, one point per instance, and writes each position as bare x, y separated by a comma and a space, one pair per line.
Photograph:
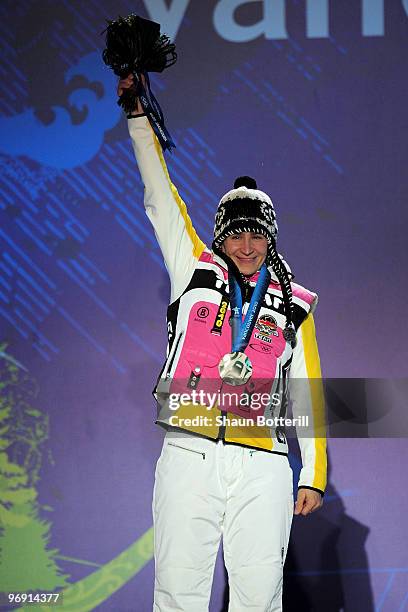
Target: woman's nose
247, 244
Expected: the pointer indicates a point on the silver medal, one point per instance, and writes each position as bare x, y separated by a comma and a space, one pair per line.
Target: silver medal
235, 368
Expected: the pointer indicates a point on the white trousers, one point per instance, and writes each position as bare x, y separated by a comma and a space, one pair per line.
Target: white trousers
205, 490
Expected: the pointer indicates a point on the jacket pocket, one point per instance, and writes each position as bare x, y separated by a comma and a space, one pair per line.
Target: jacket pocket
197, 370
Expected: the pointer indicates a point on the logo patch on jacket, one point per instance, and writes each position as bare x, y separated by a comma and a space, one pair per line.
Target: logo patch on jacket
267, 327
260, 348
201, 314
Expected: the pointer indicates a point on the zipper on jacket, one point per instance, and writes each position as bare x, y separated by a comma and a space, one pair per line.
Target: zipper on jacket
187, 449
171, 361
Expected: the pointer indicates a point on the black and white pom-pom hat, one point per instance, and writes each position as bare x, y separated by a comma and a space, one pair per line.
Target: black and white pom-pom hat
247, 209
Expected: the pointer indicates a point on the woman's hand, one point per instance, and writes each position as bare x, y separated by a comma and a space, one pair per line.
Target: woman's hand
307, 501
126, 83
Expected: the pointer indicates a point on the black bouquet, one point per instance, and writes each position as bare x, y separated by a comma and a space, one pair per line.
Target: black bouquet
135, 46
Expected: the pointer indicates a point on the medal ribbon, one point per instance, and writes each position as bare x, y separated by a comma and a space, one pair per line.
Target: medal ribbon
242, 330
154, 113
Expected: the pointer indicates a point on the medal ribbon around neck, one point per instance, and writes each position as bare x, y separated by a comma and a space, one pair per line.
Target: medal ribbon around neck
242, 330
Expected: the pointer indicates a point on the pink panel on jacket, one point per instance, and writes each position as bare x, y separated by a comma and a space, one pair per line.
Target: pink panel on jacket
203, 350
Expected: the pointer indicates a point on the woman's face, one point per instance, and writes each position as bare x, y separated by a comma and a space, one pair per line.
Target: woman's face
247, 250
